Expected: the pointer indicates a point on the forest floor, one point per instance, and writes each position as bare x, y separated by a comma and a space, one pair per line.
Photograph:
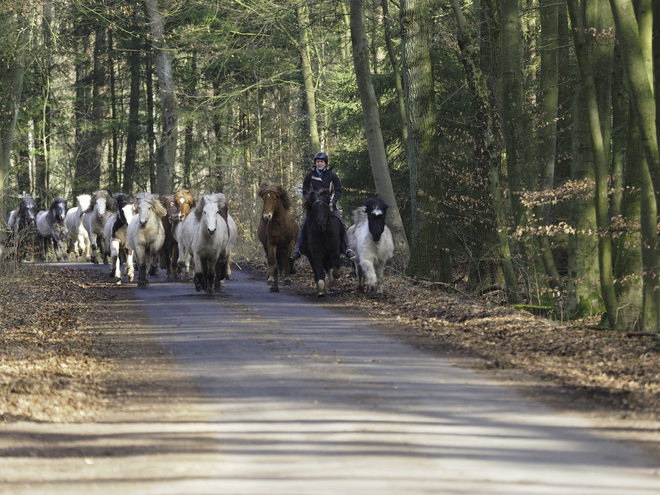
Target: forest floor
55, 366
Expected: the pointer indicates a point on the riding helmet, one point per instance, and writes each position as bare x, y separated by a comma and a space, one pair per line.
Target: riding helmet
321, 156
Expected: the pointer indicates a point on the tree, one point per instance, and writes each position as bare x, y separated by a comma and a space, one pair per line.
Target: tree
377, 153
429, 244
490, 149
11, 87
166, 155
600, 166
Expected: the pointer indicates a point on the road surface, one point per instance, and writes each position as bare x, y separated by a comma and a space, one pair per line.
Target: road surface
294, 398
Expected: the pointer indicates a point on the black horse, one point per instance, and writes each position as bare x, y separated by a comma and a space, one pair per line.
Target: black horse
323, 234
50, 225
21, 226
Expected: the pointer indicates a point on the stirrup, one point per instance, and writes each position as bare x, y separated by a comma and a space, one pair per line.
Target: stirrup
295, 255
350, 254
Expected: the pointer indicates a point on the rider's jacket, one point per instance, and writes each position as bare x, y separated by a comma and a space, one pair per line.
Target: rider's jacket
322, 180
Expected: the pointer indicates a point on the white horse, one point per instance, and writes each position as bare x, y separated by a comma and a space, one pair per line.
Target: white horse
115, 233
373, 244
206, 236
146, 234
78, 237
100, 208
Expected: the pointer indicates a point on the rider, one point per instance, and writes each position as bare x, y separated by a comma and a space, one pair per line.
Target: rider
321, 178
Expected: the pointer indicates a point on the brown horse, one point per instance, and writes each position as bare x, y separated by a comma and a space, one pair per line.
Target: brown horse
183, 202
168, 253
277, 232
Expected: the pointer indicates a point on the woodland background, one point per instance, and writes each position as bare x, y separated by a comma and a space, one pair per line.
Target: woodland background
514, 140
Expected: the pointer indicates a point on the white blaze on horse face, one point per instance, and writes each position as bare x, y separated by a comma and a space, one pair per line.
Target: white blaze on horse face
144, 207
128, 213
211, 216
100, 207
377, 213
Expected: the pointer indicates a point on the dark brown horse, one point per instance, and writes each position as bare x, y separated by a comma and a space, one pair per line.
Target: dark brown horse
277, 232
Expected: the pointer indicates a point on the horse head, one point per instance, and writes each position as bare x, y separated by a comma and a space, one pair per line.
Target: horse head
184, 202
58, 208
84, 201
149, 206
207, 211
125, 208
26, 211
320, 207
376, 210
274, 197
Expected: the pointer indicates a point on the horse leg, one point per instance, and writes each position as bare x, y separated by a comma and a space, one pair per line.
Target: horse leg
58, 247
130, 273
105, 250
92, 240
380, 268
115, 271
199, 276
319, 275
273, 275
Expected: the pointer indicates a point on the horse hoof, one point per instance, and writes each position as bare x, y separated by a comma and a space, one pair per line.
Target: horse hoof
118, 281
375, 295
130, 279
274, 289
270, 282
320, 295
288, 282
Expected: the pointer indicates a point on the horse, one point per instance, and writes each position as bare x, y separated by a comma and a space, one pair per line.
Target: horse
184, 201
168, 252
102, 205
50, 225
373, 244
115, 233
323, 233
20, 223
223, 265
78, 237
145, 233
277, 232
206, 236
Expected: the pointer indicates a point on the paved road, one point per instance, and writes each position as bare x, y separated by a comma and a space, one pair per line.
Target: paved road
300, 400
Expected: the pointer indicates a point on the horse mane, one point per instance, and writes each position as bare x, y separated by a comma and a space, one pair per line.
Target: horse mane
359, 215
167, 201
316, 195
277, 190
56, 202
26, 203
153, 200
218, 198
110, 202
186, 195
84, 200
123, 200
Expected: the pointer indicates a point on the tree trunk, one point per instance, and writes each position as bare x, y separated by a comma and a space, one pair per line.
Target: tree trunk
132, 131
188, 132
151, 133
308, 81
377, 153
113, 171
166, 152
641, 85
429, 243
83, 177
397, 73
98, 105
14, 82
600, 167
547, 133
490, 149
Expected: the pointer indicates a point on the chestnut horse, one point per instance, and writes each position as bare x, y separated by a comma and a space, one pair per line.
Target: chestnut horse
277, 232
183, 203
